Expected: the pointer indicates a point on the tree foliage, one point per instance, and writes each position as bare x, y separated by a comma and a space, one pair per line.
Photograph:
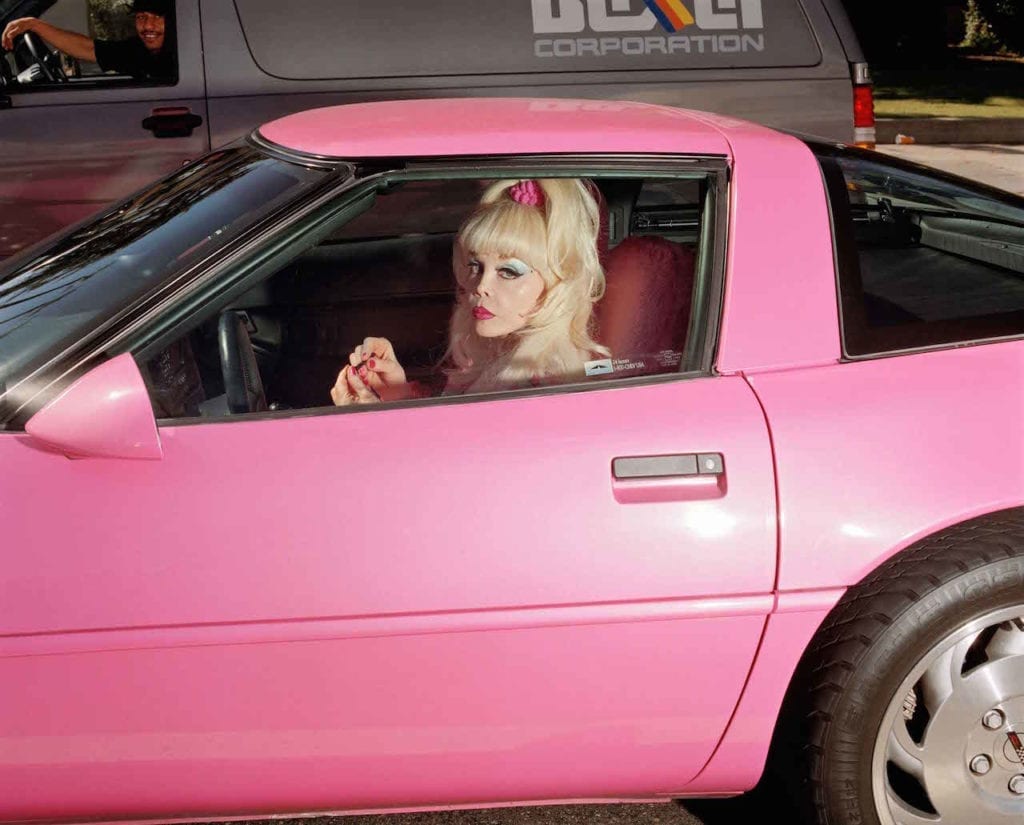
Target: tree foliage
111, 19
910, 32
994, 25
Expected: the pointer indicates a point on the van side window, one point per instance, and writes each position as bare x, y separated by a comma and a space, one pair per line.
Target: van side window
564, 36
924, 258
88, 44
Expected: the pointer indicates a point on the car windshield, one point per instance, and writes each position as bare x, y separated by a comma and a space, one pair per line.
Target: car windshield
58, 293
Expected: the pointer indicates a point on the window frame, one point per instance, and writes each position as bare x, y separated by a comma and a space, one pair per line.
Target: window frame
92, 83
188, 81
99, 81
858, 340
242, 273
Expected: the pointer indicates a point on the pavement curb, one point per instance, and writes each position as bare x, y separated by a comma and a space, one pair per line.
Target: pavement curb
951, 129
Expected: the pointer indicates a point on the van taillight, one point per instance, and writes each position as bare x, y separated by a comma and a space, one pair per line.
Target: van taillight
863, 107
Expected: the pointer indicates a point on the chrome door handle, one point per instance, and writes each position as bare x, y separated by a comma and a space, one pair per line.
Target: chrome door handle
665, 466
659, 478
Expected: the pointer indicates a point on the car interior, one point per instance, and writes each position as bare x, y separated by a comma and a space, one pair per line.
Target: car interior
928, 250
388, 273
925, 264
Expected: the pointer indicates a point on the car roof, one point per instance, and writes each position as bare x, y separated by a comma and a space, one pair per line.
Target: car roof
498, 126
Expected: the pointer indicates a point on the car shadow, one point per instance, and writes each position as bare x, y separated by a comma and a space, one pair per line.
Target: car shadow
763, 804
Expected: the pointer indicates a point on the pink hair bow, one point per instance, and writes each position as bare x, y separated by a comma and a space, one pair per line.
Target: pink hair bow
527, 192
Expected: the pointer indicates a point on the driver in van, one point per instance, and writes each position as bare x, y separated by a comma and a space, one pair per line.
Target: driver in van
148, 56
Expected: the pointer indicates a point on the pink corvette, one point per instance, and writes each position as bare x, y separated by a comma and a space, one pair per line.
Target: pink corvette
771, 526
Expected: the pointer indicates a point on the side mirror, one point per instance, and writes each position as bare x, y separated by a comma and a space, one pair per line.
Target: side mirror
105, 414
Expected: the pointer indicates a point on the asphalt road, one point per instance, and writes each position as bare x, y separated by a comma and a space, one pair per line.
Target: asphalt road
704, 812
1001, 166
667, 814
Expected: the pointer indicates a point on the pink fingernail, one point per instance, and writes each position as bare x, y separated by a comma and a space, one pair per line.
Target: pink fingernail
372, 363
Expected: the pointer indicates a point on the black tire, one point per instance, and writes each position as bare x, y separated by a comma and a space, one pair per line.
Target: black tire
827, 748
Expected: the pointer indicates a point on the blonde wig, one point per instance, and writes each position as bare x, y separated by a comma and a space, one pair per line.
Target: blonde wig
559, 240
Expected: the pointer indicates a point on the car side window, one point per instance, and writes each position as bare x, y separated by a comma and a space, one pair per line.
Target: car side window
924, 259
463, 302
86, 44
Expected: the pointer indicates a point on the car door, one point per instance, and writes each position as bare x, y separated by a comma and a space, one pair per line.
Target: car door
440, 604
70, 149
549, 594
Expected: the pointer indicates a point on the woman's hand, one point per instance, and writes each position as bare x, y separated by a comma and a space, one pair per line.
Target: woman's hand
373, 374
350, 388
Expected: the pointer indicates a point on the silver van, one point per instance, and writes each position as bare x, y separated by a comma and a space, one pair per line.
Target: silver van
76, 135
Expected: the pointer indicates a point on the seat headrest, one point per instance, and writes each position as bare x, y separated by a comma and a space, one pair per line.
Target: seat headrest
646, 306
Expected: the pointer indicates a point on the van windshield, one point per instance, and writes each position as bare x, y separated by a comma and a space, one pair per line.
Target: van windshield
58, 293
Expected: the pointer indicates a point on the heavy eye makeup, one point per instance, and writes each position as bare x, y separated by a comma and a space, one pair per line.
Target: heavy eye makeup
509, 269
513, 268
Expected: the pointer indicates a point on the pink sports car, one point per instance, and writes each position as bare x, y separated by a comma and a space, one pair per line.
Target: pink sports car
323, 490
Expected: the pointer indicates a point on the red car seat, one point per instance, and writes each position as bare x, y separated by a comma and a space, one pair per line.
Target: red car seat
646, 306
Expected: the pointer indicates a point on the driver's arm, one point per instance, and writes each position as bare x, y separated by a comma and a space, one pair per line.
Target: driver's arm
72, 44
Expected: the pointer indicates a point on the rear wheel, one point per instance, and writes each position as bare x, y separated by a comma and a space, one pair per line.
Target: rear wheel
908, 708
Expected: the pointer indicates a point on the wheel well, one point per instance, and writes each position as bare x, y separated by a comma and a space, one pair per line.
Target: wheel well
930, 560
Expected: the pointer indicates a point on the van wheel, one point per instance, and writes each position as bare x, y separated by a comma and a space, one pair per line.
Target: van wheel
909, 704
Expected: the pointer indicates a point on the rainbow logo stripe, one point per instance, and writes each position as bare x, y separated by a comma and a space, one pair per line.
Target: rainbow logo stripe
672, 14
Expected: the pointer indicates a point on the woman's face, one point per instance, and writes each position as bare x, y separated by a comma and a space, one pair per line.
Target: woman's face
503, 291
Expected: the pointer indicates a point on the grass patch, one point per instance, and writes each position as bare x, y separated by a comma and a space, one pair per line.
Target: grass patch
926, 107
965, 86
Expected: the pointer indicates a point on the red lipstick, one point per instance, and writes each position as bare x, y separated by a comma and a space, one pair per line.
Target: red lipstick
482, 314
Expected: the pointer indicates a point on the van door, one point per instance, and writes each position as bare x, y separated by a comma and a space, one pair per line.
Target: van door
71, 148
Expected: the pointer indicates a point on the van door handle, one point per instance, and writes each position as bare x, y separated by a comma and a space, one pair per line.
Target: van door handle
172, 122
681, 477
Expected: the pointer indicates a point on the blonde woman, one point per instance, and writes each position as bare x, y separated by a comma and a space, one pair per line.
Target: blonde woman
526, 264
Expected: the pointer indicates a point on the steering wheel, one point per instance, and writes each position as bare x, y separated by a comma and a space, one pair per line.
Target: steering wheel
44, 57
6, 75
238, 365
